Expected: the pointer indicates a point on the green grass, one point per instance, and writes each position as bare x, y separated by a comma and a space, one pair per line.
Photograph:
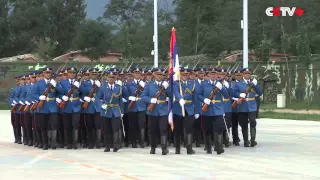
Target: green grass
293, 105
4, 107
289, 116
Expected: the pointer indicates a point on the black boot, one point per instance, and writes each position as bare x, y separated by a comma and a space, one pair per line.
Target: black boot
44, 140
177, 143
61, 139
218, 143
245, 137
253, 137
120, 138
142, 137
198, 138
208, 144
84, 138
226, 139
54, 139
30, 137
98, 140
25, 136
116, 144
40, 146
35, 138
49, 139
75, 139
153, 143
90, 135
163, 141
106, 139
69, 139
189, 144
15, 135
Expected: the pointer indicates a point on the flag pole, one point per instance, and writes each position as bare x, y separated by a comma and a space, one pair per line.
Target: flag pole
182, 107
155, 30
245, 34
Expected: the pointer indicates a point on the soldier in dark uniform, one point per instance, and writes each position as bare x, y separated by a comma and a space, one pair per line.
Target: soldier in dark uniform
12, 102
234, 120
19, 115
190, 90
92, 119
27, 101
137, 113
247, 110
109, 98
158, 117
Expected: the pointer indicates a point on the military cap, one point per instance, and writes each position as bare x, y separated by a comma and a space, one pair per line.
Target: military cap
184, 70
158, 70
93, 70
221, 70
245, 70
211, 70
72, 69
23, 77
137, 69
200, 69
148, 71
47, 69
110, 73
115, 70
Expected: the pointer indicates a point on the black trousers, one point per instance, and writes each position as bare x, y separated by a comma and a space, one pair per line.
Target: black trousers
92, 121
235, 125
83, 129
28, 125
157, 124
18, 124
136, 122
214, 124
111, 125
247, 117
258, 100
126, 127
71, 121
61, 130
48, 121
182, 124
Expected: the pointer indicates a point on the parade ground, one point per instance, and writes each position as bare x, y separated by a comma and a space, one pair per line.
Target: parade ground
286, 150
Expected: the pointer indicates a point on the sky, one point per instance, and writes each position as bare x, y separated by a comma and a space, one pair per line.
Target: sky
96, 8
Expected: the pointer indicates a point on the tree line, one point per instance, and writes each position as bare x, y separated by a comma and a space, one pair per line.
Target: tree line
49, 28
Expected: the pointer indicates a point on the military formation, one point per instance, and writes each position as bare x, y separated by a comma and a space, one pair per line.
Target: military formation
117, 108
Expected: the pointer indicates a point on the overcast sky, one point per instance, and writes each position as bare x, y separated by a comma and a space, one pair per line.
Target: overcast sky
95, 8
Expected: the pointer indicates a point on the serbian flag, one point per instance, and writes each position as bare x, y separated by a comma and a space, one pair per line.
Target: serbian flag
173, 71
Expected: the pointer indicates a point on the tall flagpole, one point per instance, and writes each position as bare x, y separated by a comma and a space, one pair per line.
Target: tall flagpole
155, 30
245, 33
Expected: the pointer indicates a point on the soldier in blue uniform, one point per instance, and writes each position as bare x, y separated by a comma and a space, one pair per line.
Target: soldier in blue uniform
23, 116
137, 112
125, 117
17, 98
73, 107
27, 115
158, 117
12, 103
109, 98
61, 131
247, 110
201, 71
30, 101
213, 117
234, 120
92, 112
47, 115
187, 99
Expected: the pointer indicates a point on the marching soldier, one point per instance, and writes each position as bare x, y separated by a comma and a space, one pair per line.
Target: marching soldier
235, 121
19, 115
155, 94
13, 103
47, 115
246, 90
92, 111
61, 131
72, 107
109, 97
186, 102
137, 109
211, 94
28, 117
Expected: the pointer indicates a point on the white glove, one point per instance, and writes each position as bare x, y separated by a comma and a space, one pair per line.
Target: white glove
58, 100
182, 102
196, 116
53, 82
27, 103
20, 102
86, 98
121, 115
76, 84
226, 84
81, 100
219, 85
97, 83
254, 82
167, 99
165, 84
104, 106
124, 100
242, 95
119, 83
235, 99
142, 84
42, 98
65, 98
153, 100
132, 98
14, 102
207, 101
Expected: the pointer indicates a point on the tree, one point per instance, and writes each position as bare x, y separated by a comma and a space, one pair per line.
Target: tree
94, 38
4, 28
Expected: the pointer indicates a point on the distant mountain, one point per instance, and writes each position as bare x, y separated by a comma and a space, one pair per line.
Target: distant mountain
96, 8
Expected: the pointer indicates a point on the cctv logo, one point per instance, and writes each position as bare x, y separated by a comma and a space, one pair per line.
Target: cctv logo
284, 11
